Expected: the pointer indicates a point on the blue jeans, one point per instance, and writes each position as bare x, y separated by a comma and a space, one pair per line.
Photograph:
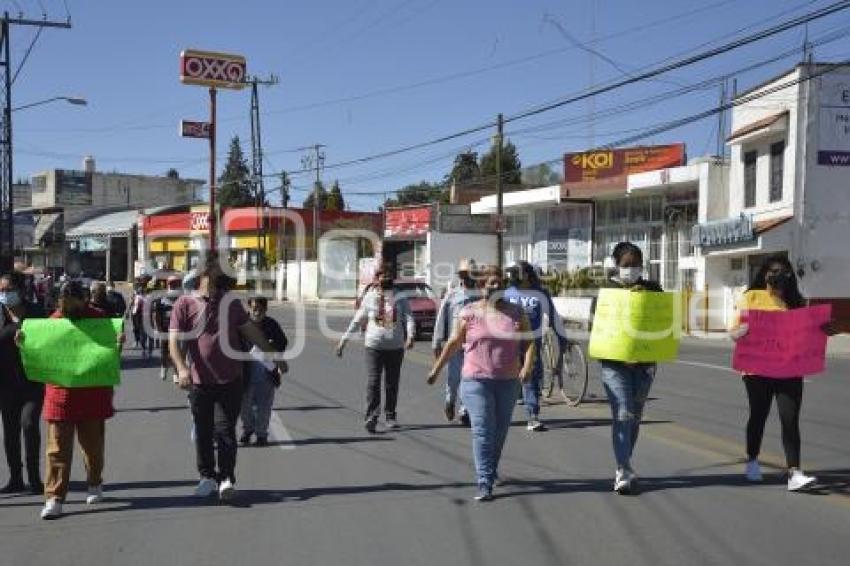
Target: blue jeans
257, 401
627, 388
453, 374
490, 404
532, 390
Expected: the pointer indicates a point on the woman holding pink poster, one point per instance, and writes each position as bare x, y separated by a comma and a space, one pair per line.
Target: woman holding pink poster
774, 288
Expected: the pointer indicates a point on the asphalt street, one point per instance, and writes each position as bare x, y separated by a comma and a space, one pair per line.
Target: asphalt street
327, 492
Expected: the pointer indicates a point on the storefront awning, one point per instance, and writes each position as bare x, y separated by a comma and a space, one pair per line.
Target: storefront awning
769, 125
115, 224
771, 236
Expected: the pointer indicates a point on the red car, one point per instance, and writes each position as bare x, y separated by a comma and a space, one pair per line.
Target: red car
423, 303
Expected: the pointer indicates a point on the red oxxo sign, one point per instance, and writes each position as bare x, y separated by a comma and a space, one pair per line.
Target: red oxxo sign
200, 222
208, 68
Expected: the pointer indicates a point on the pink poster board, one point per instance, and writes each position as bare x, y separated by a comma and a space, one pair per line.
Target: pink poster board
783, 344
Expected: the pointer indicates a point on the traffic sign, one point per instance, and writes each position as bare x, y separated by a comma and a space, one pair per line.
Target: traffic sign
207, 68
190, 129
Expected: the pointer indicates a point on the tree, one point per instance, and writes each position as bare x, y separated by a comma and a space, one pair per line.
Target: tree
465, 169
540, 175
234, 185
419, 193
335, 200
511, 165
323, 197
172, 173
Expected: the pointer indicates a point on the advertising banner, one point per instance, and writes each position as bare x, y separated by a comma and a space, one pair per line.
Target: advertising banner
834, 121
611, 163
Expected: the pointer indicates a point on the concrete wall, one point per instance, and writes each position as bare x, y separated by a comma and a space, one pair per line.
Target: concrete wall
302, 282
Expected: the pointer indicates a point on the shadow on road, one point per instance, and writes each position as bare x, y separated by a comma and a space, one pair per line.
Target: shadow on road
323, 441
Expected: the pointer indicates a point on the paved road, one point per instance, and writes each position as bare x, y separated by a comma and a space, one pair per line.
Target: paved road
326, 492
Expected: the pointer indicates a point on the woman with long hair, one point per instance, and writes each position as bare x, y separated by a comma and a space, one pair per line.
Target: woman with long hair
774, 288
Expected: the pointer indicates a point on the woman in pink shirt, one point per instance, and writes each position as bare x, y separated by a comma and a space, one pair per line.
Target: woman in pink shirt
495, 337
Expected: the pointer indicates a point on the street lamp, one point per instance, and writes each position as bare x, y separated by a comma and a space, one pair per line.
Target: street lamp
76, 100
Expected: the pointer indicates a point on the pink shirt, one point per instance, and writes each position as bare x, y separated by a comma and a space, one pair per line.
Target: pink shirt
491, 349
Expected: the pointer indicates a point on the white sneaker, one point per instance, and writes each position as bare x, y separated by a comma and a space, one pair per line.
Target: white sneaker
226, 490
753, 471
799, 480
392, 424
622, 481
205, 487
163, 373
95, 494
534, 425
52, 509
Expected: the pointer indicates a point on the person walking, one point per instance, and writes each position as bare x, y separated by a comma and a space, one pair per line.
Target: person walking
161, 310
390, 329
137, 316
70, 411
627, 384
464, 293
261, 378
212, 327
21, 400
494, 335
101, 298
526, 291
774, 288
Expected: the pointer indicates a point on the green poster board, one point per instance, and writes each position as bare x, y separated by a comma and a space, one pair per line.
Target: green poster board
636, 326
72, 353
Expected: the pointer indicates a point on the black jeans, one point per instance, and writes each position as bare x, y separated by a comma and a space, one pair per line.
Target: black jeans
22, 412
215, 410
388, 363
789, 398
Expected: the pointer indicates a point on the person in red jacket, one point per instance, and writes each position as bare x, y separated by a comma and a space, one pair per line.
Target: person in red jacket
80, 411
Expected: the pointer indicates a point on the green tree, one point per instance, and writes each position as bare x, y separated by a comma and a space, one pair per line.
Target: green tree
419, 193
465, 168
511, 165
540, 175
234, 185
335, 201
319, 188
172, 173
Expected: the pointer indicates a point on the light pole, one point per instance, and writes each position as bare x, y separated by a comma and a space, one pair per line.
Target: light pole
75, 100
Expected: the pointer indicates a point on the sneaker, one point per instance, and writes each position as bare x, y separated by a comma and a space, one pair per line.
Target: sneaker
392, 424
464, 419
753, 471
245, 439
36, 488
622, 482
226, 490
371, 425
95, 494
534, 425
205, 487
449, 411
163, 373
52, 509
14, 486
262, 441
484, 494
799, 480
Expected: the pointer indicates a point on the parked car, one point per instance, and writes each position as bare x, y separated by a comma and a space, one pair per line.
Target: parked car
423, 302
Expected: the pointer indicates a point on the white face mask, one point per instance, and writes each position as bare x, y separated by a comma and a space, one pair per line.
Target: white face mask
630, 275
10, 298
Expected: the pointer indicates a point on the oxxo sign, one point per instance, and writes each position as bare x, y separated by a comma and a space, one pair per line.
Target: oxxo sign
208, 68
200, 222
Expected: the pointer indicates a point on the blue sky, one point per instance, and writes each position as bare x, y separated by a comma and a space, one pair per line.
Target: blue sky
352, 74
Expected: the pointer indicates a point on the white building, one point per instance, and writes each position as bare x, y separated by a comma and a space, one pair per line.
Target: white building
788, 190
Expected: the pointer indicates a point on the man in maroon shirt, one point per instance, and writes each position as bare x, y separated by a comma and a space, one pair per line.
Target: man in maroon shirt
203, 321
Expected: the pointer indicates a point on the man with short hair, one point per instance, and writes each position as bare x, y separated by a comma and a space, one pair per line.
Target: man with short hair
209, 323
460, 295
161, 310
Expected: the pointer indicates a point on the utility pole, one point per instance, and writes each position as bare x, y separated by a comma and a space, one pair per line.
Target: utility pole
317, 160
284, 200
7, 230
212, 216
721, 124
500, 241
257, 166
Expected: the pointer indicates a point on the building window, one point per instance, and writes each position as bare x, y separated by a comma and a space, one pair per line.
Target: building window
750, 179
777, 170
516, 225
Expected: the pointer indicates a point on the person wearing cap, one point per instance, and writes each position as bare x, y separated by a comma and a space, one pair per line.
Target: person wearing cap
70, 411
525, 290
460, 295
161, 310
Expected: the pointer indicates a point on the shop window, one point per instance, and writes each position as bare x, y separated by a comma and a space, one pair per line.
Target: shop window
602, 213
517, 225
750, 159
639, 210
656, 206
619, 211
777, 170
736, 264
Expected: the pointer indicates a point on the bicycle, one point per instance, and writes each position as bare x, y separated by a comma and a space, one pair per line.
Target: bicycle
573, 375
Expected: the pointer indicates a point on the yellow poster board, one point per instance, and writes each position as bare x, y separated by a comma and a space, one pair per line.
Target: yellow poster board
636, 326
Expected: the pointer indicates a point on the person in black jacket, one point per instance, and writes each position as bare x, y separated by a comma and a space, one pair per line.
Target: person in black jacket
260, 382
20, 399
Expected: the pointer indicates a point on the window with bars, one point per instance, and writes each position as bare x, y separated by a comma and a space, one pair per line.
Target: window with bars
777, 170
750, 159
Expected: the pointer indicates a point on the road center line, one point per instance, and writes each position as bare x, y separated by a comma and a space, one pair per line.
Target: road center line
706, 365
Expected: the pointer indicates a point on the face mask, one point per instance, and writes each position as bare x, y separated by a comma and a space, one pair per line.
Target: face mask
630, 275
10, 298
